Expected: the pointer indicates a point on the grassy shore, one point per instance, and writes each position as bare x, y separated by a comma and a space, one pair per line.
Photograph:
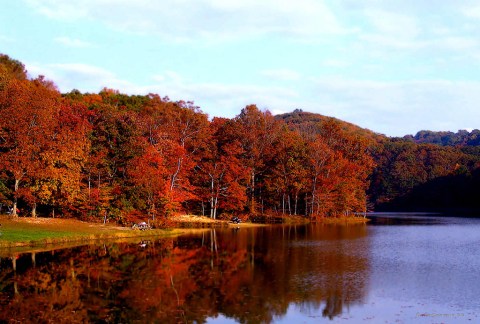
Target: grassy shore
17, 232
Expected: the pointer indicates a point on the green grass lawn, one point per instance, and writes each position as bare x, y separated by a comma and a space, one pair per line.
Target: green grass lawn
31, 232
27, 233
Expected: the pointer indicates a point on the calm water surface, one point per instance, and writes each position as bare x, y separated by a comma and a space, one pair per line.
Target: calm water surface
398, 269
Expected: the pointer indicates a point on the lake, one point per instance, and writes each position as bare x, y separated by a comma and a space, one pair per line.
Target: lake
400, 268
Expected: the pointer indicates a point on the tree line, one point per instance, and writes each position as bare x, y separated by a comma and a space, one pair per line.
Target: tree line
112, 156
425, 177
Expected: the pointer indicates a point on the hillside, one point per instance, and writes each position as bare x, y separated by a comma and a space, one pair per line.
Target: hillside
431, 171
307, 122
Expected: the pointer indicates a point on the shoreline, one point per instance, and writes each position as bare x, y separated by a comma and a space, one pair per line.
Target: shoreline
26, 232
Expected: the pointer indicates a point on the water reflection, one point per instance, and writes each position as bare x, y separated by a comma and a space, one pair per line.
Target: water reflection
249, 275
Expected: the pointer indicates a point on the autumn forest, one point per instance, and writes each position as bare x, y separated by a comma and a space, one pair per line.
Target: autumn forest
111, 156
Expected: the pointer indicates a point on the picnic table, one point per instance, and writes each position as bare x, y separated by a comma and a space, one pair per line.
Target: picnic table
142, 226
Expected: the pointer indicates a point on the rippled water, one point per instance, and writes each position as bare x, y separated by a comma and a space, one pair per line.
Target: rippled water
398, 269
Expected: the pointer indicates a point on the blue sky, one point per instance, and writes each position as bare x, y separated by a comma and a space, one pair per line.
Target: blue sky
395, 67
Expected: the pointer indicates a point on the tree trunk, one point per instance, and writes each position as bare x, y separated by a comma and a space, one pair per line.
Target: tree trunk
215, 208
14, 212
212, 186
174, 176
34, 210
153, 211
89, 185
211, 207
252, 206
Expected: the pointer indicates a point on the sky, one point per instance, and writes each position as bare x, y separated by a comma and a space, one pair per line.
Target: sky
395, 67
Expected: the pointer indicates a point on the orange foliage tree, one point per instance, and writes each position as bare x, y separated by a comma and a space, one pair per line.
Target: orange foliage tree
222, 177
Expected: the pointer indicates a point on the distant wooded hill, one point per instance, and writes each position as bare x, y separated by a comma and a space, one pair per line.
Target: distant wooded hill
431, 171
460, 138
307, 122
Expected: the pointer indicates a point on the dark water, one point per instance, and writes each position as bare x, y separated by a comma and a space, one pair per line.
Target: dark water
398, 269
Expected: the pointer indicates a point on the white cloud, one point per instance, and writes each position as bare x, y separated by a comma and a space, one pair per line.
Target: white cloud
205, 19
281, 74
472, 11
214, 98
84, 77
72, 42
6, 39
59, 9
398, 108
386, 42
336, 63
394, 25
84, 71
392, 108
220, 99
387, 28
389, 40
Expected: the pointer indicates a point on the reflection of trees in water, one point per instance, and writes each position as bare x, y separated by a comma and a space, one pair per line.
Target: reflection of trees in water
249, 275
322, 265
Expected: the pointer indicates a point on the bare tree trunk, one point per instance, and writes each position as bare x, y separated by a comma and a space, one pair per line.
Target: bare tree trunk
174, 176
34, 210
14, 212
211, 207
89, 185
215, 204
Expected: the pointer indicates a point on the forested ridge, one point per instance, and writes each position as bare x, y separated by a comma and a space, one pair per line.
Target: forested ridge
430, 171
108, 155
